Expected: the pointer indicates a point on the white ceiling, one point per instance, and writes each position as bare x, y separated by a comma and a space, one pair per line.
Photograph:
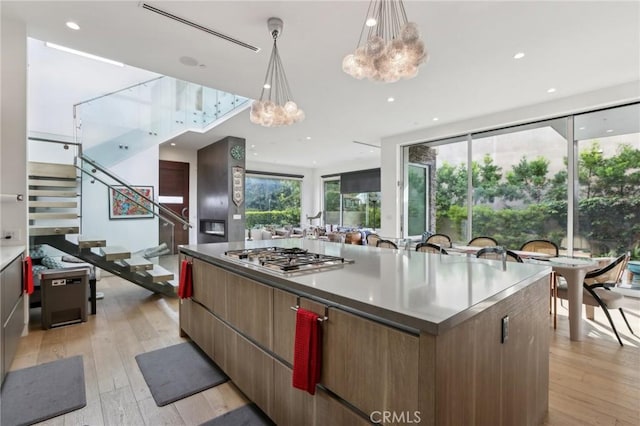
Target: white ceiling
572, 46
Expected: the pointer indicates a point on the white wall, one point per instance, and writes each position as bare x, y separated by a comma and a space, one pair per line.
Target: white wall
13, 129
391, 158
58, 80
133, 234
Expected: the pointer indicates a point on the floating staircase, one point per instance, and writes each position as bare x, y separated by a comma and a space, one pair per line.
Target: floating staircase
54, 206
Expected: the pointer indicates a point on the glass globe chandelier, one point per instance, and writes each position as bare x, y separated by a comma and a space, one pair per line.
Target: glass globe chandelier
392, 49
275, 107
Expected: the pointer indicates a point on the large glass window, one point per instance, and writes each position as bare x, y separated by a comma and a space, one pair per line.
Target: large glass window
519, 179
361, 209
519, 184
609, 181
418, 194
331, 191
451, 189
271, 200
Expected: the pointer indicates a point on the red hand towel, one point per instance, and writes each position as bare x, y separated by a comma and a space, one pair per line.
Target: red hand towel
307, 357
185, 288
27, 275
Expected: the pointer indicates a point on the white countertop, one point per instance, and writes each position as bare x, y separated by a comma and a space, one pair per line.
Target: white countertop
8, 253
415, 290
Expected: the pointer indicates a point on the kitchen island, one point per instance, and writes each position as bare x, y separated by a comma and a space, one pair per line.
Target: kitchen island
409, 337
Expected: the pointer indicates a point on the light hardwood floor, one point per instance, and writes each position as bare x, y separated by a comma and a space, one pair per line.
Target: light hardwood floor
593, 382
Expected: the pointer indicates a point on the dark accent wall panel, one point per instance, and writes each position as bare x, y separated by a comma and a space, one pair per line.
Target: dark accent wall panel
215, 200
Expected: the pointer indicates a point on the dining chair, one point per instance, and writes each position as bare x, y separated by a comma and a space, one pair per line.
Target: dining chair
386, 244
483, 242
496, 253
597, 290
442, 240
430, 248
335, 237
372, 239
354, 237
541, 246
551, 248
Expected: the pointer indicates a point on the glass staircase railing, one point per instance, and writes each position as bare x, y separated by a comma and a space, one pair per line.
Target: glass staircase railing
118, 125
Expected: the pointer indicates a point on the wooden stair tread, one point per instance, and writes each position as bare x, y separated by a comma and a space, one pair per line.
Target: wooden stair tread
54, 215
53, 204
137, 263
85, 241
52, 193
71, 183
54, 170
53, 230
158, 274
114, 253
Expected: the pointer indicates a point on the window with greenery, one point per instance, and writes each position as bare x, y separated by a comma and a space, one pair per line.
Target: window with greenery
519, 180
361, 210
272, 201
331, 190
418, 193
609, 181
520, 186
451, 189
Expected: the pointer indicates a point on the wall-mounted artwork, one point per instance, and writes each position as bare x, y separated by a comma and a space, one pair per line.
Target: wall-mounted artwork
127, 204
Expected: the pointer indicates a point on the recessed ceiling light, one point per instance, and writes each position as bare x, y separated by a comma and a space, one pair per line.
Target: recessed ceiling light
390, 99
581, 128
255, 153
518, 55
609, 130
188, 61
371, 22
84, 54
314, 161
173, 144
72, 25
370, 150
551, 90
435, 119
267, 86
253, 146
308, 138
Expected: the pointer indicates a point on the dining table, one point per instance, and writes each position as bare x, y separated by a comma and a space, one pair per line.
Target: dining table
573, 270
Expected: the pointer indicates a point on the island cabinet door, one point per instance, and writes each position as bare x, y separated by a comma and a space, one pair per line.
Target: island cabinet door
291, 406
204, 329
296, 407
210, 287
251, 369
250, 309
284, 321
372, 366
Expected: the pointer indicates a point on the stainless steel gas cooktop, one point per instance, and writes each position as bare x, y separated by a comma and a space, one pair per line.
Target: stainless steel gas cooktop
286, 260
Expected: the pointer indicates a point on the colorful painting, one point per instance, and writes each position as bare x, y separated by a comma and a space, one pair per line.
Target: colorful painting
127, 204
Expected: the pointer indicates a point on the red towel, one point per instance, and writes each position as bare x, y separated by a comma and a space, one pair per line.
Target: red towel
307, 357
27, 275
185, 289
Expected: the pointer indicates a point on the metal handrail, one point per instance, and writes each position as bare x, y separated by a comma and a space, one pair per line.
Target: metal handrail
104, 170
